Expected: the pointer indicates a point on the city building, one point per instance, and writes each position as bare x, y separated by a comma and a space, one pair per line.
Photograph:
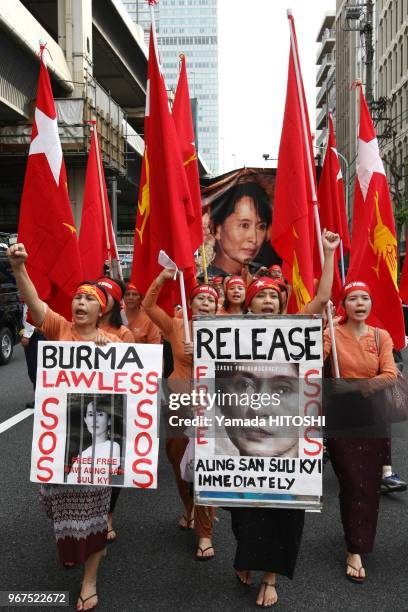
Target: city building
97, 62
392, 86
325, 77
189, 27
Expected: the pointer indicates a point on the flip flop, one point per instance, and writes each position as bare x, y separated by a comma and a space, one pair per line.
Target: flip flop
83, 601
356, 579
206, 557
188, 526
243, 581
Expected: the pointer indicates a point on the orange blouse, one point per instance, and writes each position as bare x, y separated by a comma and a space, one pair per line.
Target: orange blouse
360, 357
172, 329
143, 329
123, 333
56, 327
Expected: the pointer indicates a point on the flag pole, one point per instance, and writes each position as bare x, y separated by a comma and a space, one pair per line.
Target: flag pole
204, 261
311, 181
343, 274
105, 222
186, 326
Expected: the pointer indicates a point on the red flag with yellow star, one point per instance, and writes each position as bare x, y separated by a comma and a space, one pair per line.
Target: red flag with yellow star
161, 222
373, 256
46, 224
292, 234
184, 125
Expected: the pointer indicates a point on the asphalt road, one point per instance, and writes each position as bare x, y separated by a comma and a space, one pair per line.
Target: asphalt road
151, 566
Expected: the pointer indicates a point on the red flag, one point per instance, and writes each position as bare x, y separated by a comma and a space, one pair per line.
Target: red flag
46, 224
292, 234
373, 257
163, 196
184, 125
332, 204
96, 239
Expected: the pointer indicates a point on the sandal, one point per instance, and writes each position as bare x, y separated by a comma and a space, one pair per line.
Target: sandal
190, 523
203, 557
246, 582
83, 601
356, 579
267, 585
109, 540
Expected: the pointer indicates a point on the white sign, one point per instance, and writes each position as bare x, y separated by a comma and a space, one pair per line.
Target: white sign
96, 414
258, 413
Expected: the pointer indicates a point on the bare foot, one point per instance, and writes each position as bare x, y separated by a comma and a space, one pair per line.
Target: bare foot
267, 595
355, 567
88, 598
205, 549
111, 532
244, 576
185, 523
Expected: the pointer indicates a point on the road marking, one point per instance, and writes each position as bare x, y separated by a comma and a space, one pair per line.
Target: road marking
16, 419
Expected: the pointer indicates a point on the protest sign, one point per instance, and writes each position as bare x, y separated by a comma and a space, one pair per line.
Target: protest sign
96, 414
258, 388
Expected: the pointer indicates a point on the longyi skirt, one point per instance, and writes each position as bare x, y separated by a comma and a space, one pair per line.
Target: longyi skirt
268, 539
80, 515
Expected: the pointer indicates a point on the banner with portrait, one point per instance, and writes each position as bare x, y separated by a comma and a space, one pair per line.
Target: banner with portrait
96, 414
237, 218
258, 439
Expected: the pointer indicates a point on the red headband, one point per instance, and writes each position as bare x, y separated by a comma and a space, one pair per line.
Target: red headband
275, 267
111, 287
217, 280
132, 287
355, 286
208, 289
233, 281
97, 293
259, 285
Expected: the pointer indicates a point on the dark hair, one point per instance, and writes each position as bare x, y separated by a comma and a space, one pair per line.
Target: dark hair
222, 209
115, 319
227, 304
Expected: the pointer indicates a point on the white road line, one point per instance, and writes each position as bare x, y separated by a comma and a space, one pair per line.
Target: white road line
16, 419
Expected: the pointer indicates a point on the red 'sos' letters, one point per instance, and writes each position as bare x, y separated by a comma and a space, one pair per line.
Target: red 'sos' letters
313, 407
47, 441
142, 445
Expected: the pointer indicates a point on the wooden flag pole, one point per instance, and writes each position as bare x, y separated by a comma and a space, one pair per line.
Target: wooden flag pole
204, 260
312, 182
105, 222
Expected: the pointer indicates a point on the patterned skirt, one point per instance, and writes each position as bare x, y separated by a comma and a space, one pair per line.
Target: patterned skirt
80, 515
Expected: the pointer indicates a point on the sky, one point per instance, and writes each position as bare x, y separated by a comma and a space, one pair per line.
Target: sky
253, 44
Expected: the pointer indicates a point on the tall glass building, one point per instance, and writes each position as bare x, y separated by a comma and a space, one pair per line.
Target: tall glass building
189, 27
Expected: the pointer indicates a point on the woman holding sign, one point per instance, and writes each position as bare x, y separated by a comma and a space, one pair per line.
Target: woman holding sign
79, 513
202, 301
268, 539
357, 457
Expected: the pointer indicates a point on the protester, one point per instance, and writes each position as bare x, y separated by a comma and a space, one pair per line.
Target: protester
111, 320
202, 301
30, 337
275, 272
268, 539
142, 328
240, 228
72, 508
358, 460
235, 291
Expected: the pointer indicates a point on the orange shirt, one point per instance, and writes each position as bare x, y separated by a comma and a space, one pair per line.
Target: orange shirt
123, 333
143, 329
359, 357
55, 327
173, 331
